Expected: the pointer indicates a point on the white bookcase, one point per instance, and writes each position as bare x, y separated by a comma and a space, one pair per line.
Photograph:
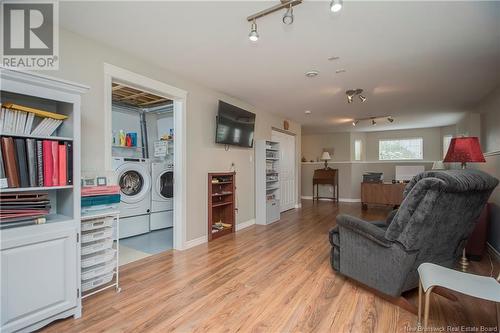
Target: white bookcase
267, 201
40, 264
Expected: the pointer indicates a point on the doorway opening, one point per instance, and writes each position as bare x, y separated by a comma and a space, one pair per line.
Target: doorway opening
145, 147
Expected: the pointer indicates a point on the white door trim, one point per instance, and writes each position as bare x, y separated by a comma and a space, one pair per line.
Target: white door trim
293, 164
179, 97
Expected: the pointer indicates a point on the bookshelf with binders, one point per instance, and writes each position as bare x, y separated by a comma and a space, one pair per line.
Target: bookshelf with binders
39, 199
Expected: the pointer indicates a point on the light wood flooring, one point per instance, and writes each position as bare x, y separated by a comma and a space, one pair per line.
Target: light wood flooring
273, 278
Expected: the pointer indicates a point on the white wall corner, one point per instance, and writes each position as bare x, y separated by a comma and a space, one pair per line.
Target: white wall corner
195, 242
245, 224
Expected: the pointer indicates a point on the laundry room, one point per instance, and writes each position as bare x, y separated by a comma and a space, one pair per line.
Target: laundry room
142, 160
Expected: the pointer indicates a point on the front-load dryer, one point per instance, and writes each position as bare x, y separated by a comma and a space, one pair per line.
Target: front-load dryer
162, 194
134, 178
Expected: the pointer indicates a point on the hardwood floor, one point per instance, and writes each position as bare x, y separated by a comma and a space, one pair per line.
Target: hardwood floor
273, 278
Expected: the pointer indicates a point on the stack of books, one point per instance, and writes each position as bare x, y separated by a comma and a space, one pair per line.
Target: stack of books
26, 162
18, 209
100, 197
23, 120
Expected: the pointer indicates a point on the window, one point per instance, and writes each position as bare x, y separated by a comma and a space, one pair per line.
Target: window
401, 149
446, 144
357, 150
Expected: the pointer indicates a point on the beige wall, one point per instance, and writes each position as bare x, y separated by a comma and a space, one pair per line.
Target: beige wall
313, 144
489, 110
82, 60
432, 141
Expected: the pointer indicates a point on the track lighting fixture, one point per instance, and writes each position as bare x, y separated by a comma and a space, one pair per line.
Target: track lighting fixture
254, 35
373, 120
354, 92
288, 16
336, 5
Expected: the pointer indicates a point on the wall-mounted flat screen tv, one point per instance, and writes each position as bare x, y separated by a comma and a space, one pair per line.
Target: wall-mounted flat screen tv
235, 126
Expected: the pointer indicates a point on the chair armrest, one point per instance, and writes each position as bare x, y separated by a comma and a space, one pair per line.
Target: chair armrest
364, 228
390, 217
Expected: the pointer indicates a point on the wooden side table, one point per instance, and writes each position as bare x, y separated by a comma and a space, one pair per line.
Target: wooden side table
326, 177
381, 194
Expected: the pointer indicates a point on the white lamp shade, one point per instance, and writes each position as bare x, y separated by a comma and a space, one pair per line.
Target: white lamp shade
438, 165
326, 156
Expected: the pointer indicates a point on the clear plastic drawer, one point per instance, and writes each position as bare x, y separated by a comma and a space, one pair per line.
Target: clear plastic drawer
97, 223
98, 258
98, 270
97, 246
94, 235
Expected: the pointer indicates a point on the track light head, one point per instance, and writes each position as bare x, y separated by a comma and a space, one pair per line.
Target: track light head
253, 35
374, 122
349, 99
336, 5
355, 122
390, 119
288, 16
362, 98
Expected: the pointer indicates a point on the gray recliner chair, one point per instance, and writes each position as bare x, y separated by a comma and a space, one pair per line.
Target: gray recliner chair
432, 224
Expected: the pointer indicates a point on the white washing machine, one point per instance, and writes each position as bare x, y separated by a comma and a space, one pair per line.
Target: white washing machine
162, 195
134, 177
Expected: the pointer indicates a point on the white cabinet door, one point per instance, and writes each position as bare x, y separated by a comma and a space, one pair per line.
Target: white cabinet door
38, 278
286, 169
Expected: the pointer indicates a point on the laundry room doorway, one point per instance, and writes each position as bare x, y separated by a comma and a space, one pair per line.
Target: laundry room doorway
145, 147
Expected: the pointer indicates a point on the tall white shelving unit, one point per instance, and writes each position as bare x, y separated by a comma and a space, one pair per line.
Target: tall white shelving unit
40, 264
267, 180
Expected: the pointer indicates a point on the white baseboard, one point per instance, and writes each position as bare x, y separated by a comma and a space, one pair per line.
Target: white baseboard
494, 253
195, 242
203, 239
299, 205
245, 224
307, 197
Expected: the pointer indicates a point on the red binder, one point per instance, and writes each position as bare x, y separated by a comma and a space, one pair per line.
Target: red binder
55, 163
62, 164
48, 166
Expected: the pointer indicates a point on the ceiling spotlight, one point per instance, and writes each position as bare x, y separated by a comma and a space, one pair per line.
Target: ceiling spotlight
254, 35
336, 5
288, 17
312, 73
362, 98
307, 112
390, 119
349, 99
338, 71
355, 122
374, 122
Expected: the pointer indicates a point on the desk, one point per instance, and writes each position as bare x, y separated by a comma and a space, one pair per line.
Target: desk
382, 194
326, 177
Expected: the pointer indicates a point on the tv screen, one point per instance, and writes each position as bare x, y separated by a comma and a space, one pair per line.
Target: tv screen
235, 126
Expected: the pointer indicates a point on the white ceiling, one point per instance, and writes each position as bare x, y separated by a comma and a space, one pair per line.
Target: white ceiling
424, 63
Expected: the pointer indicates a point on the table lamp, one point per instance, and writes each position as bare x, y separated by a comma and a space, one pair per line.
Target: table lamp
463, 150
326, 157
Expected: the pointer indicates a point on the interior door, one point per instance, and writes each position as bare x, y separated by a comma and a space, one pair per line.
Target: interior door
286, 169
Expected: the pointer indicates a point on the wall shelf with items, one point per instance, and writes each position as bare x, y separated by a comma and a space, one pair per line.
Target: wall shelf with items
267, 180
49, 287
221, 208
